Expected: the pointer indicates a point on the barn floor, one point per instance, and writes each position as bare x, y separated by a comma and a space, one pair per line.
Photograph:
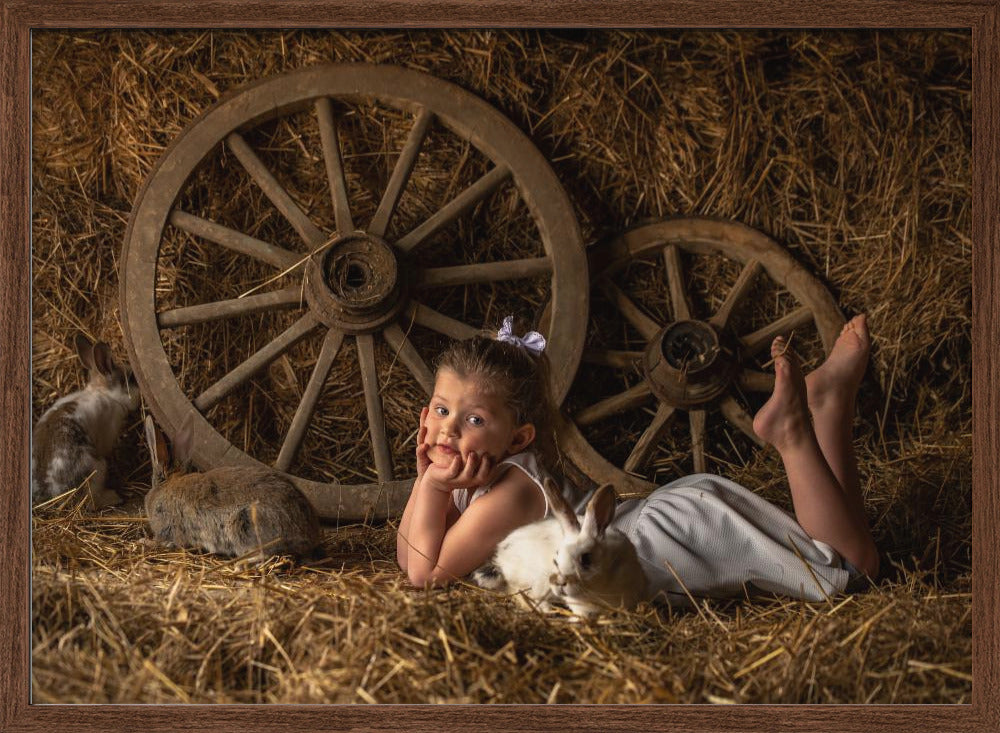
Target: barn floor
118, 621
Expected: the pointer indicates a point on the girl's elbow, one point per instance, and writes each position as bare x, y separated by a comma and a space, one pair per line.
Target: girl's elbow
421, 578
401, 557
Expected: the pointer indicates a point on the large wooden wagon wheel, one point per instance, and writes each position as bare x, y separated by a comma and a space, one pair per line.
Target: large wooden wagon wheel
677, 359
342, 269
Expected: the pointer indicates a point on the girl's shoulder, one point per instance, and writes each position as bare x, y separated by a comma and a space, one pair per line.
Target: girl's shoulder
528, 462
529, 476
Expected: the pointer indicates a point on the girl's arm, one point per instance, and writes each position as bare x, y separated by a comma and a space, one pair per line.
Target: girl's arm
439, 552
403, 532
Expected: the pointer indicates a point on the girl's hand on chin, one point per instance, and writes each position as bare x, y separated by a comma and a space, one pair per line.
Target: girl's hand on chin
468, 472
423, 459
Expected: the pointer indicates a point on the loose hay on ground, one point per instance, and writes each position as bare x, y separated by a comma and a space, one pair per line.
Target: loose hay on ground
168, 626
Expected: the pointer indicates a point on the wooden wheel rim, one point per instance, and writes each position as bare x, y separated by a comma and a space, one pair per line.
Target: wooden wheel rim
463, 114
705, 236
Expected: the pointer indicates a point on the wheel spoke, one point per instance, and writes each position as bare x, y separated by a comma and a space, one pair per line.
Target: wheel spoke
427, 317
373, 403
647, 442
242, 373
234, 240
275, 191
738, 417
464, 201
697, 419
609, 357
754, 381
484, 272
334, 165
632, 397
762, 337
188, 315
736, 294
675, 281
307, 405
400, 174
402, 346
645, 325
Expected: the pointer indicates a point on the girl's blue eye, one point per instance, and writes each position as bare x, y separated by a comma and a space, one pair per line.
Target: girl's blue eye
476, 420
442, 411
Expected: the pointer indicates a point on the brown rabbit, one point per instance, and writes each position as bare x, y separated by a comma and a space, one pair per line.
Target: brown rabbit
75, 436
230, 510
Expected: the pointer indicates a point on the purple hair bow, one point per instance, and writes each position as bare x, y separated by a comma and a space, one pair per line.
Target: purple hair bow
532, 341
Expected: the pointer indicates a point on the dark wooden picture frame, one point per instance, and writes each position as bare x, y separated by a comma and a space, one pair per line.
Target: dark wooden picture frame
20, 17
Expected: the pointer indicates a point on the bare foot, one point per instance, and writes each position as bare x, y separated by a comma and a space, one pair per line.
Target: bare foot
783, 421
836, 381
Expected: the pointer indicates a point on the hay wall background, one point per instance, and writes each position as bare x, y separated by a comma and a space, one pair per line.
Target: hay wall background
851, 149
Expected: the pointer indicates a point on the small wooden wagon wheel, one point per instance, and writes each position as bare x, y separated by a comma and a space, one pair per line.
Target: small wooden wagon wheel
354, 272
685, 358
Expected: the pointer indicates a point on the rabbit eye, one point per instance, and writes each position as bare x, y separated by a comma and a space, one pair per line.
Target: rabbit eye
585, 560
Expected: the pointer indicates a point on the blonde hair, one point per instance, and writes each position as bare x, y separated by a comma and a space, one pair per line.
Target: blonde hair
517, 377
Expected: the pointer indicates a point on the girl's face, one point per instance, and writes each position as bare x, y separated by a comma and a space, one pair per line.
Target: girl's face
462, 418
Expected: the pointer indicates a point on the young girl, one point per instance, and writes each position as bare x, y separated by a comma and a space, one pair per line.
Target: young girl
702, 535
477, 480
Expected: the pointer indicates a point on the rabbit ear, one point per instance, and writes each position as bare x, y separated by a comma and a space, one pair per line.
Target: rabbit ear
183, 442
560, 507
102, 358
85, 350
157, 446
600, 511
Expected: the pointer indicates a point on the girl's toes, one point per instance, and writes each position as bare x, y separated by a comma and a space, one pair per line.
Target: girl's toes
780, 367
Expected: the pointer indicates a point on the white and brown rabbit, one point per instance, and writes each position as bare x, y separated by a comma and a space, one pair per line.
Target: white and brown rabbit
230, 510
582, 563
74, 437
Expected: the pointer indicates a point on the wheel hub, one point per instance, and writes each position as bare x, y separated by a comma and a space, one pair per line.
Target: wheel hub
354, 285
689, 363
